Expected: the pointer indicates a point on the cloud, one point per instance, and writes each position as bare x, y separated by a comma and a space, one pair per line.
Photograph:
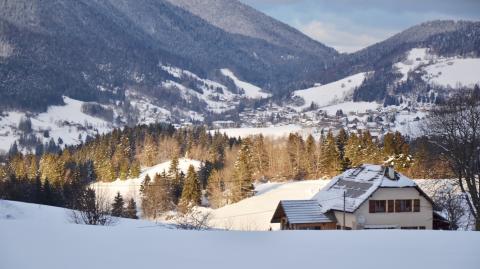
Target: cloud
341, 39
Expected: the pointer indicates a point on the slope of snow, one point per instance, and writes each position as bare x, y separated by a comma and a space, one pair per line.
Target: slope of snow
256, 212
415, 58
130, 188
454, 72
442, 71
217, 96
328, 94
251, 91
29, 241
66, 122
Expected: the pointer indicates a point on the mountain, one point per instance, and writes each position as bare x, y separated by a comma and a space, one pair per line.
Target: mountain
238, 18
441, 41
103, 50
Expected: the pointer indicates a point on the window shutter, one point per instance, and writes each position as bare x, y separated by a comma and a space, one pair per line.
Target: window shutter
371, 206
416, 205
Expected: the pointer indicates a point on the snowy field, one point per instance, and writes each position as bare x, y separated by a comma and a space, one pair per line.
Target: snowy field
130, 188
325, 95
34, 236
66, 122
255, 213
442, 71
251, 91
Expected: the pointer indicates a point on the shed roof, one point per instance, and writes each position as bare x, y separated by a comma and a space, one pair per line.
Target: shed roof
301, 212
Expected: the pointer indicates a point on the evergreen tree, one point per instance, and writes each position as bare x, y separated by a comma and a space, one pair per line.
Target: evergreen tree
330, 162
243, 175
311, 156
131, 210
191, 194
118, 205
215, 189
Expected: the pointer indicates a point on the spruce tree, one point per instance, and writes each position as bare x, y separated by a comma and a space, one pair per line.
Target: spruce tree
243, 175
131, 210
118, 205
191, 194
311, 156
215, 189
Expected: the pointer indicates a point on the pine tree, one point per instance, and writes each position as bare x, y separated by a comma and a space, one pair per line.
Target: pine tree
131, 210
191, 194
260, 156
243, 175
352, 150
134, 170
330, 161
118, 205
215, 189
311, 156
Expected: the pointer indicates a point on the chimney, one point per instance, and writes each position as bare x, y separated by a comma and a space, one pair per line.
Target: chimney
390, 173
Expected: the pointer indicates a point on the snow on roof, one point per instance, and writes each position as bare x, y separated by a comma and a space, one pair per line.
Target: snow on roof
358, 184
301, 212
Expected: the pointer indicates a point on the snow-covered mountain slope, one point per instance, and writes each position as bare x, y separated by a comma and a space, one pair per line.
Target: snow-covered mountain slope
255, 213
251, 91
448, 72
130, 188
331, 93
68, 122
28, 242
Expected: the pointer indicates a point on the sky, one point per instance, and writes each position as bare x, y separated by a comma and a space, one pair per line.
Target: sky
350, 25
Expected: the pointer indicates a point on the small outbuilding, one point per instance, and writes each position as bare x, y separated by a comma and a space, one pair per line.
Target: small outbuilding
303, 215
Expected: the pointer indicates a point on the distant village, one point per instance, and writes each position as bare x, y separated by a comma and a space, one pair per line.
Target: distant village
378, 122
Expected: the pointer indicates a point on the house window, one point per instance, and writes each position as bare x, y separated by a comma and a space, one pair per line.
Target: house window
416, 205
403, 205
391, 206
377, 206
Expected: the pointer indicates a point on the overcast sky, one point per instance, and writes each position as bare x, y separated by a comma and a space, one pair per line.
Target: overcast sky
349, 25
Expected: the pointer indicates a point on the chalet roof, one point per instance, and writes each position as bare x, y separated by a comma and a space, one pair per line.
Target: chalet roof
359, 184
301, 212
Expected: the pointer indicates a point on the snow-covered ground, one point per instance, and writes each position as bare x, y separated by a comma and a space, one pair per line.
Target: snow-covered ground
251, 91
454, 72
66, 122
255, 213
442, 71
130, 188
36, 236
331, 93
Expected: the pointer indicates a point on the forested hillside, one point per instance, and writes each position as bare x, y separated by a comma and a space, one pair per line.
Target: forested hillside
229, 166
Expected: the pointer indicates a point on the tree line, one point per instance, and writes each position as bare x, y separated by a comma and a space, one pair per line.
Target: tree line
229, 166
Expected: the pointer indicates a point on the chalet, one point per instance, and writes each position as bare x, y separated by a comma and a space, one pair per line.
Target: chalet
367, 197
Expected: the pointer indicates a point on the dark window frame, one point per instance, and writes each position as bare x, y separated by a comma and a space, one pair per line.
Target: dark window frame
416, 205
377, 206
403, 206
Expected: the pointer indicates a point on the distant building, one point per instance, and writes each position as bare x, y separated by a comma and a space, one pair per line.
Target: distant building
367, 197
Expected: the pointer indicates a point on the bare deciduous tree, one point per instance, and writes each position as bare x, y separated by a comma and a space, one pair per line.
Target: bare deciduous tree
455, 128
451, 201
92, 209
193, 220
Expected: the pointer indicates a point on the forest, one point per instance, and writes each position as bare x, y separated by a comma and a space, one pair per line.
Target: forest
229, 165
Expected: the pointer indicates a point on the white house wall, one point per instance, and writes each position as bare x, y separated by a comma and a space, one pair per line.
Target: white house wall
400, 219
